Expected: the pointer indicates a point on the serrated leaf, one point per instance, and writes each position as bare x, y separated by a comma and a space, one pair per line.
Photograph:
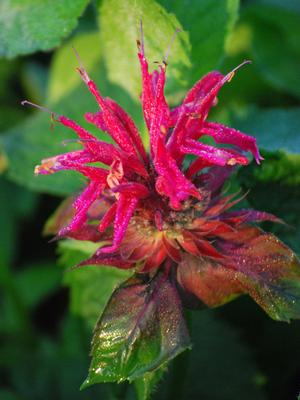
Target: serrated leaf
30, 25
119, 26
91, 286
208, 23
274, 128
141, 328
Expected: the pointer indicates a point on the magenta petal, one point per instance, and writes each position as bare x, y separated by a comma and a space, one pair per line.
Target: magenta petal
125, 121
223, 134
133, 189
205, 85
125, 209
97, 119
196, 166
147, 96
196, 104
104, 152
93, 173
81, 205
212, 154
130, 128
160, 117
114, 126
108, 218
171, 181
155, 107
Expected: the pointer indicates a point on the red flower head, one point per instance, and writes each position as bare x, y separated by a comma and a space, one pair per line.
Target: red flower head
152, 209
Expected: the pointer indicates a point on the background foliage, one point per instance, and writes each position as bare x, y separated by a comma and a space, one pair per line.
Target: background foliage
48, 312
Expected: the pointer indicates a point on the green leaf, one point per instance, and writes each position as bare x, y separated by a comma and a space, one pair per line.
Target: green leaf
275, 128
272, 24
119, 26
141, 328
90, 286
31, 25
208, 23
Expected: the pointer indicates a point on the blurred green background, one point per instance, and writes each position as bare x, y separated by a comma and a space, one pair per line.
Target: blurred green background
47, 313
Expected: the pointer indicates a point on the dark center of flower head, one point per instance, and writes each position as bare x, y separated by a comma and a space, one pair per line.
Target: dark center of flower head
150, 205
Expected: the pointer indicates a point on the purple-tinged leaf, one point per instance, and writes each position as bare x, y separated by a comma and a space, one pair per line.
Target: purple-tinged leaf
256, 263
142, 327
208, 280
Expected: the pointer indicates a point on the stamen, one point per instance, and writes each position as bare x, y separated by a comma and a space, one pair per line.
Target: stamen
82, 71
141, 42
165, 59
66, 141
230, 75
25, 102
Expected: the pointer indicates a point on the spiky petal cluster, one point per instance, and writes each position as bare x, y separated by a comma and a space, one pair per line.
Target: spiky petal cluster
147, 209
132, 176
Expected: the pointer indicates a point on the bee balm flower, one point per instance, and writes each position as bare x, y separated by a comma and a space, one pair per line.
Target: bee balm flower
150, 210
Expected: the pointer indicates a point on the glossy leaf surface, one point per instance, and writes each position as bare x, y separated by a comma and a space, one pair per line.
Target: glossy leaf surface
258, 264
141, 328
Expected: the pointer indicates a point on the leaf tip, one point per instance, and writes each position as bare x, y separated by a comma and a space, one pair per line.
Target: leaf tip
86, 384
